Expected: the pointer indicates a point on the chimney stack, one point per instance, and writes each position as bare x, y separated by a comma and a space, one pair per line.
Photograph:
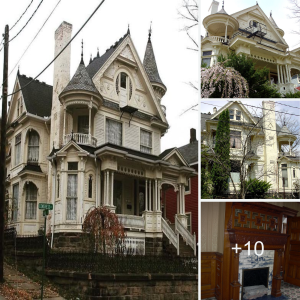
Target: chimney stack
214, 7
215, 110
193, 138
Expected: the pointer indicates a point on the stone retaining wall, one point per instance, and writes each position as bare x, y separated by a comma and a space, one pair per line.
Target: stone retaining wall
128, 286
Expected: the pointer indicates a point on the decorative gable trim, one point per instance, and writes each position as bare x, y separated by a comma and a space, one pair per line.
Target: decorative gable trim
176, 152
64, 149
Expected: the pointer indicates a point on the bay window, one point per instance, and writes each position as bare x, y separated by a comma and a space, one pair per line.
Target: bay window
72, 197
15, 202
31, 201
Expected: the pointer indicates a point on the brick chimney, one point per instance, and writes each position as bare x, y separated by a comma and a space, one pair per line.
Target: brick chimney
215, 110
214, 7
193, 138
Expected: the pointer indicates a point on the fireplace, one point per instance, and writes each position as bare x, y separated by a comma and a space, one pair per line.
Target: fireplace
257, 276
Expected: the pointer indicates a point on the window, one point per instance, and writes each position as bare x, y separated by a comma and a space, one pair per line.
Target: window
235, 139
235, 166
31, 201
238, 115
188, 187
206, 61
294, 173
15, 202
58, 182
73, 166
231, 114
124, 87
83, 124
146, 141
206, 53
284, 175
18, 108
123, 80
90, 186
33, 147
18, 149
189, 221
113, 132
72, 197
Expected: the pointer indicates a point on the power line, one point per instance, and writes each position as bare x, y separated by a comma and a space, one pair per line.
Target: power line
25, 24
60, 51
288, 105
34, 38
21, 15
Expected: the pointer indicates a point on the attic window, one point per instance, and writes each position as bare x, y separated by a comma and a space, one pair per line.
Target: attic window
231, 114
238, 115
124, 87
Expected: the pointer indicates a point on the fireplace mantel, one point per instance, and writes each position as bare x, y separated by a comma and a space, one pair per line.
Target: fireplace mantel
252, 221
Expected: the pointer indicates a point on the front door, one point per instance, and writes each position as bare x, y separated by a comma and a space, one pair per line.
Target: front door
292, 252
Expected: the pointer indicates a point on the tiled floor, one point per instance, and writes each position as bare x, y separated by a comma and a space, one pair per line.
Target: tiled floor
289, 292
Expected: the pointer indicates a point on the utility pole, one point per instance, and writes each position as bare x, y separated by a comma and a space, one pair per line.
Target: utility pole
3, 149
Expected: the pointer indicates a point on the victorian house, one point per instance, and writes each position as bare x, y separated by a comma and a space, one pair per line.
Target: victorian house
259, 147
93, 139
252, 33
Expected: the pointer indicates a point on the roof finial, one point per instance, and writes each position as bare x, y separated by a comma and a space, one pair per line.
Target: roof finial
91, 58
150, 32
98, 52
256, 3
223, 4
271, 14
82, 52
128, 30
18, 69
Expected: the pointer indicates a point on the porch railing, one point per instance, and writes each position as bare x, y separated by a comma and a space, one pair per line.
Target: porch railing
80, 138
170, 234
133, 222
216, 38
186, 235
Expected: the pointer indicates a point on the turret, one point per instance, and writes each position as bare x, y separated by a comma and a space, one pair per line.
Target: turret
152, 70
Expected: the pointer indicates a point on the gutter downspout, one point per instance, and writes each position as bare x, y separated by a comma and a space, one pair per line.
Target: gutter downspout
53, 197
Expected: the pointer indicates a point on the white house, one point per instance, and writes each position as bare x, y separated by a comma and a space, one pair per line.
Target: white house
93, 139
257, 144
251, 32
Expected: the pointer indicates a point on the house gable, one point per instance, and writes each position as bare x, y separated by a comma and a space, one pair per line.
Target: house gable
257, 14
125, 59
175, 158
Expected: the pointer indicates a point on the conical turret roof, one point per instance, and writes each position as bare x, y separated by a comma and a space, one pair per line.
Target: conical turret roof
150, 63
81, 81
284, 131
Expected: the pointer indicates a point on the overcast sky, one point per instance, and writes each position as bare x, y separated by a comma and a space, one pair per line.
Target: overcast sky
280, 13
177, 65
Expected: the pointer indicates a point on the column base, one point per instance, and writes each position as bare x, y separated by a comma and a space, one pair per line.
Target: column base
111, 208
152, 221
183, 220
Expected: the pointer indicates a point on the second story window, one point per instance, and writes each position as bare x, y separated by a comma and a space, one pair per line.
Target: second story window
33, 147
231, 114
146, 141
31, 201
113, 132
284, 175
83, 124
235, 139
206, 58
238, 115
18, 149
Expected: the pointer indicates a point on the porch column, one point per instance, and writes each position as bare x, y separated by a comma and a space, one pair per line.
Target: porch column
104, 189
112, 189
107, 188
158, 198
150, 198
180, 200
281, 74
287, 73
90, 122
278, 74
290, 147
178, 205
276, 281
183, 199
146, 195
155, 196
64, 123
226, 31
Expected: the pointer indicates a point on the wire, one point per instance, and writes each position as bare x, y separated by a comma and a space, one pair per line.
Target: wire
288, 105
60, 51
34, 38
21, 15
24, 25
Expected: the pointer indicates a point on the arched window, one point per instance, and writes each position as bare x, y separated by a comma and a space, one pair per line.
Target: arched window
90, 186
33, 147
31, 201
123, 88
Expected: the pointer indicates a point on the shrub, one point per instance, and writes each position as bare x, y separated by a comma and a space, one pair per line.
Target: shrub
292, 95
257, 188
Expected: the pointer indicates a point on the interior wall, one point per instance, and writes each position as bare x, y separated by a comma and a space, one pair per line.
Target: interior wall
292, 205
212, 226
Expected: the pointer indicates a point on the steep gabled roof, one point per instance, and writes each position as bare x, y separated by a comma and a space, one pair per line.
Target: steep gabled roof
99, 61
37, 96
150, 63
81, 81
190, 152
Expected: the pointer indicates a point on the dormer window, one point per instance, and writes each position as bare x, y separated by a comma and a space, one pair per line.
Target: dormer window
231, 114
238, 115
235, 114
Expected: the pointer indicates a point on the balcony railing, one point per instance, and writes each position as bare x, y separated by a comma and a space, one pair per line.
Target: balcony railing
216, 39
80, 138
132, 222
281, 153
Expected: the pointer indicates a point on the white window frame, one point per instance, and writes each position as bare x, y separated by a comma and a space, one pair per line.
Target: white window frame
189, 190
33, 201
143, 147
19, 152
31, 147
15, 203
70, 197
187, 225
106, 131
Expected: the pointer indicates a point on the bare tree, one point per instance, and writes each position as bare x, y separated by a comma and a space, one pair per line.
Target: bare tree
295, 12
245, 157
189, 12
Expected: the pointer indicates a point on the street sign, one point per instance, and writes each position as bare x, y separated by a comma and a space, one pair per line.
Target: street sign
45, 206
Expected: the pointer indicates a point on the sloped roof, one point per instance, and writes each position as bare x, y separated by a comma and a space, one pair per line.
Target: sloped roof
190, 152
222, 11
99, 61
150, 64
37, 96
81, 81
284, 131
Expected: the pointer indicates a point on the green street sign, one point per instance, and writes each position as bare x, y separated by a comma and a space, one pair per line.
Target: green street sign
45, 212
45, 206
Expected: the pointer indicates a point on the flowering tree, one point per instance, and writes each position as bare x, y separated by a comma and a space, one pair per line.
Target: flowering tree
221, 82
103, 229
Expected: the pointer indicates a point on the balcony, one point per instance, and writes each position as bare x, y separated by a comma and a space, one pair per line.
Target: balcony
80, 138
132, 222
281, 153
